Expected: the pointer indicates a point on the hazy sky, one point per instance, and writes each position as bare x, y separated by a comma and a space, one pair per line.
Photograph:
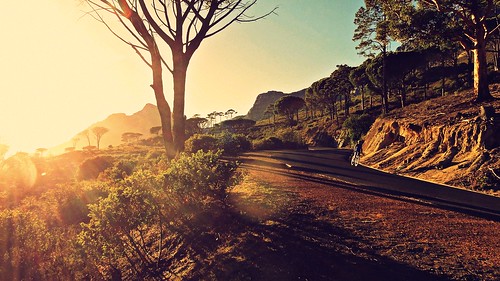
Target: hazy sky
62, 71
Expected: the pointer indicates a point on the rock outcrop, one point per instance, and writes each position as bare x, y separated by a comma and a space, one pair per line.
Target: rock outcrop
265, 99
448, 140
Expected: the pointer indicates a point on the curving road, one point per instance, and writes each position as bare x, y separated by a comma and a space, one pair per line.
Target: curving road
335, 163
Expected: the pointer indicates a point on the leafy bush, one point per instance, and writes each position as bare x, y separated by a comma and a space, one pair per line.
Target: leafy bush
148, 210
202, 179
357, 126
121, 236
91, 168
268, 144
120, 170
202, 142
23, 245
233, 144
290, 137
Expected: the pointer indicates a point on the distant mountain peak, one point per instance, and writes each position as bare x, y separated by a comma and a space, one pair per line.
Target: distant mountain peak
265, 99
119, 123
149, 106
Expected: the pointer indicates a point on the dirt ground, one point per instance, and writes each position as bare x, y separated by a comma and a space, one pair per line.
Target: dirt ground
298, 226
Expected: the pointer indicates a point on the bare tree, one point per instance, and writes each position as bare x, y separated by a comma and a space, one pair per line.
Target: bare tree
41, 150
230, 113
86, 134
75, 140
98, 133
182, 25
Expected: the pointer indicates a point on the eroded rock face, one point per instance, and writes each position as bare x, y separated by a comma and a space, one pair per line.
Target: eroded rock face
457, 147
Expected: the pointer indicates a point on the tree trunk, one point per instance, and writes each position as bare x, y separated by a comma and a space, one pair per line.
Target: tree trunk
163, 107
362, 99
347, 104
443, 90
470, 77
179, 75
161, 102
385, 95
481, 71
403, 97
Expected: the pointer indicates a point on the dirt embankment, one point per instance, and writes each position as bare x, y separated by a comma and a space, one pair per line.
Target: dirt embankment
450, 140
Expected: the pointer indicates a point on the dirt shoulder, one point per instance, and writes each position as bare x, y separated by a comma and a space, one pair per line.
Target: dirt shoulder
300, 226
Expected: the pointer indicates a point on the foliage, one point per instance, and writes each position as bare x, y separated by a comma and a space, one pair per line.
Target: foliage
141, 226
131, 136
91, 168
155, 130
120, 234
267, 144
194, 125
202, 142
201, 179
239, 124
448, 23
119, 171
232, 144
290, 137
357, 126
23, 244
289, 106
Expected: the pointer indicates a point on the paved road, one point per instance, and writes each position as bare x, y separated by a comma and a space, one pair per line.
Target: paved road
335, 163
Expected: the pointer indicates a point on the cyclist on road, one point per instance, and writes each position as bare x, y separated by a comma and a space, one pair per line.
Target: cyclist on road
356, 153
358, 147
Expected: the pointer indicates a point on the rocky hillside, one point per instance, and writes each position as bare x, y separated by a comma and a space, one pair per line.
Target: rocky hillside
118, 123
265, 99
449, 140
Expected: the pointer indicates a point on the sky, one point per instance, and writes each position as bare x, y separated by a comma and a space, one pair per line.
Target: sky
61, 70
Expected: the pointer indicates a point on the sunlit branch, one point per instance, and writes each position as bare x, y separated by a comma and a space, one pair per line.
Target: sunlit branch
156, 27
167, 22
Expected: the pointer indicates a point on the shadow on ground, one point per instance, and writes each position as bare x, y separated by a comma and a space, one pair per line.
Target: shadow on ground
299, 245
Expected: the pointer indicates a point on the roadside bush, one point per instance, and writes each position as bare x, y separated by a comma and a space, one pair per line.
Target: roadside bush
202, 142
121, 238
172, 210
91, 168
233, 144
357, 126
201, 180
290, 138
267, 144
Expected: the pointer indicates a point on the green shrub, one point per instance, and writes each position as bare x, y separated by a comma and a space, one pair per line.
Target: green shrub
267, 144
128, 221
120, 170
201, 179
233, 144
202, 142
357, 126
91, 168
290, 138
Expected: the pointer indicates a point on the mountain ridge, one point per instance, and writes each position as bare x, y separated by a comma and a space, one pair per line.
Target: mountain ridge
263, 100
117, 123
